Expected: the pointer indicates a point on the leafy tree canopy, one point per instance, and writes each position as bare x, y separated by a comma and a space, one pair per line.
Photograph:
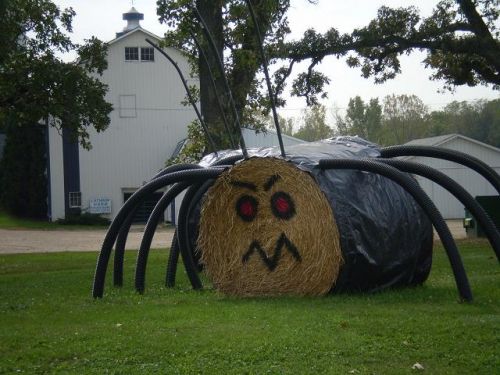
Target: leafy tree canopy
315, 125
461, 39
363, 119
236, 40
34, 81
403, 118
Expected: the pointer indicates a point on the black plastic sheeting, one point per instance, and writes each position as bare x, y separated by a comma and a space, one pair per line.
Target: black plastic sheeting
385, 237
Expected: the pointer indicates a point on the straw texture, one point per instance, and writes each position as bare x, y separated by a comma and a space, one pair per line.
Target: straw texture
267, 229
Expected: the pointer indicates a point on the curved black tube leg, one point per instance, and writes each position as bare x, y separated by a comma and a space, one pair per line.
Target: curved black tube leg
459, 192
451, 155
192, 205
125, 228
183, 241
183, 236
411, 186
173, 259
182, 228
120, 249
110, 238
149, 231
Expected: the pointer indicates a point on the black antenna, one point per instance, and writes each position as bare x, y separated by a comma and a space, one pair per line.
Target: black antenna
190, 97
226, 83
212, 81
266, 74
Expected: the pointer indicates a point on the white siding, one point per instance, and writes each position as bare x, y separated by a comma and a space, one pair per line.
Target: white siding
133, 149
474, 183
56, 175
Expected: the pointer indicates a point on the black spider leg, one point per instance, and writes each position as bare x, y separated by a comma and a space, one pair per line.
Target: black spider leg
220, 64
272, 262
412, 187
147, 238
266, 75
459, 192
110, 238
188, 92
173, 260
214, 88
191, 199
125, 228
183, 240
443, 153
151, 225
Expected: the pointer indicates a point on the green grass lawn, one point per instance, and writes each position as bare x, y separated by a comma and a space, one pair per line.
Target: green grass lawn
50, 324
11, 222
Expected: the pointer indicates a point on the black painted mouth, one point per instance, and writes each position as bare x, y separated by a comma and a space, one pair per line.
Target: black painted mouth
272, 262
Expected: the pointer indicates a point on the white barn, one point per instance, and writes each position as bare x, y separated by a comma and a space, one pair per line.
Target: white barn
147, 122
474, 183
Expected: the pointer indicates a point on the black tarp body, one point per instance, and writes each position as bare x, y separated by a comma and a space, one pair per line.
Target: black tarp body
386, 238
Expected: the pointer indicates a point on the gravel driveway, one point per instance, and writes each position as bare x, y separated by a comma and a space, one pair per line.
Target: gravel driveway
33, 241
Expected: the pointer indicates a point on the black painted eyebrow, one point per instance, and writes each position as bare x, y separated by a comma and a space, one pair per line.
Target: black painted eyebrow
271, 181
243, 184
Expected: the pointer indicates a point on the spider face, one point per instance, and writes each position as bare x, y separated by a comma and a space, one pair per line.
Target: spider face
271, 234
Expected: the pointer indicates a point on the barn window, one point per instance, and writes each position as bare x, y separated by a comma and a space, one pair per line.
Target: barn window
147, 54
131, 53
75, 199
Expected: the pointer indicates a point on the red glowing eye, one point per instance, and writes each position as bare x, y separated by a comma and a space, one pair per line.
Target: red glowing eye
246, 207
282, 205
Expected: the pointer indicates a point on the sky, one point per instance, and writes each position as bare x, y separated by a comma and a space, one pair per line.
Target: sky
103, 18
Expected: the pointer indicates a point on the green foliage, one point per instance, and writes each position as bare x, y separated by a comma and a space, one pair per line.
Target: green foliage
364, 120
194, 148
36, 84
479, 120
230, 24
461, 39
84, 219
405, 117
50, 323
23, 182
314, 125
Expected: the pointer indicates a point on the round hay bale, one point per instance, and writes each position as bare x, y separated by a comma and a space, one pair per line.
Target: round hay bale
267, 229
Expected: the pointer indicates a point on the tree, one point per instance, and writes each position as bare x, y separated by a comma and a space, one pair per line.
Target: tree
23, 183
36, 84
364, 120
461, 39
404, 119
314, 125
236, 40
479, 120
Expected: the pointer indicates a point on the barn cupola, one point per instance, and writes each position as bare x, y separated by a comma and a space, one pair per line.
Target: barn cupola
133, 17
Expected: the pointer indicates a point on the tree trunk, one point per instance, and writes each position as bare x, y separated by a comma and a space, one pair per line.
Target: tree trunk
211, 12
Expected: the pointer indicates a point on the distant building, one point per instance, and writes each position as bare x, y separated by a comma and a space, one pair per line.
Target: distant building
147, 122
474, 183
267, 139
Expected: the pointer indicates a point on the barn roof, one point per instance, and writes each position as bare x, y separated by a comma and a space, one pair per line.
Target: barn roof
128, 33
442, 140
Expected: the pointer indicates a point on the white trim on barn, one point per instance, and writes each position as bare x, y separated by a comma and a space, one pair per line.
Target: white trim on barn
474, 183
